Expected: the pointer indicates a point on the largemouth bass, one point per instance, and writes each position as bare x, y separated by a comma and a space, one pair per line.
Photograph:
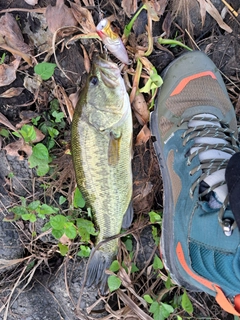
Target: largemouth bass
101, 149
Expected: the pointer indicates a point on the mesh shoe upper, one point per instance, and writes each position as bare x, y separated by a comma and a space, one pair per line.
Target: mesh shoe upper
196, 133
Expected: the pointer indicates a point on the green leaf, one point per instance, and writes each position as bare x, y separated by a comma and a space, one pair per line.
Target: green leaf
155, 217
134, 268
113, 283
85, 229
45, 69
28, 133
53, 132
46, 209
62, 200
157, 263
186, 303
33, 205
19, 210
40, 152
114, 267
58, 116
155, 234
63, 249
147, 298
168, 283
57, 233
154, 307
166, 310
129, 244
84, 251
70, 230
46, 227
29, 217
42, 169
58, 222
4, 133
78, 200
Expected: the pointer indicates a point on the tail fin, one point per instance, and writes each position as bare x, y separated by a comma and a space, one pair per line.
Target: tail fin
99, 262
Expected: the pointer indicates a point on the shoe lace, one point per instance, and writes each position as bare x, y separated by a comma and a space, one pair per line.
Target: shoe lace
227, 144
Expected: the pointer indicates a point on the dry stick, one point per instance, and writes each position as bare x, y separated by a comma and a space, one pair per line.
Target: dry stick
37, 10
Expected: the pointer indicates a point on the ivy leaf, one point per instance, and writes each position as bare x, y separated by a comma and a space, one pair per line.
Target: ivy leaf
70, 230
147, 298
113, 283
30, 217
85, 229
186, 303
78, 200
33, 205
58, 222
157, 263
84, 251
45, 69
46, 209
166, 310
61, 200
155, 217
63, 249
114, 267
57, 233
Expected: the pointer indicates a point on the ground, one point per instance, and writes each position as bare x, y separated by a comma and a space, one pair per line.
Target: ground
36, 281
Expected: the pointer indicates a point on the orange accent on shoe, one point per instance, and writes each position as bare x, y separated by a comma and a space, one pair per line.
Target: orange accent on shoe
186, 80
220, 296
237, 302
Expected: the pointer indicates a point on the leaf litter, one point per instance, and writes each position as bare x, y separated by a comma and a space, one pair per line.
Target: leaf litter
77, 21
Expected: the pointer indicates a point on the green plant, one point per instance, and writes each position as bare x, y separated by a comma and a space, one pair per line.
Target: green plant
155, 218
40, 159
45, 69
3, 58
27, 132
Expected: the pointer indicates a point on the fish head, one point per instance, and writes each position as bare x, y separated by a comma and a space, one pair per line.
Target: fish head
105, 89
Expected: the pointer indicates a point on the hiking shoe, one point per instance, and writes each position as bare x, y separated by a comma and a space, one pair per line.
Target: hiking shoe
195, 128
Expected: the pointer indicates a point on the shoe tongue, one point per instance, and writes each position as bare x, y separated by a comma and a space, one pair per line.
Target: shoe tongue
220, 192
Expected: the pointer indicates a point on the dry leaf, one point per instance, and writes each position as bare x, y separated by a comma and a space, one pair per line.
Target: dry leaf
129, 7
32, 84
151, 8
64, 240
31, 2
87, 63
160, 7
12, 92
6, 122
83, 17
140, 108
13, 149
167, 22
59, 16
12, 34
8, 72
202, 10
143, 135
216, 15
74, 97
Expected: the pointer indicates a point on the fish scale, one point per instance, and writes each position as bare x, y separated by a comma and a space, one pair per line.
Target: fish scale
101, 149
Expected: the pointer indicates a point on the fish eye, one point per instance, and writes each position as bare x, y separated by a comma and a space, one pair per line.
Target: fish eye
94, 80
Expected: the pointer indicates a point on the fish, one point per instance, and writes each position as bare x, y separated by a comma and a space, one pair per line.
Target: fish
101, 147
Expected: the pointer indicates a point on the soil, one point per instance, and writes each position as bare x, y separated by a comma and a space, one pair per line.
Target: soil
39, 283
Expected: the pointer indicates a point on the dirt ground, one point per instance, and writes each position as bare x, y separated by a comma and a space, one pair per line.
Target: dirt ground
36, 281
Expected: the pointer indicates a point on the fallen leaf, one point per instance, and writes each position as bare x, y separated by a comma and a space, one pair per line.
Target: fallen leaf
6, 122
140, 108
74, 97
129, 7
83, 17
203, 10
8, 72
160, 7
167, 22
32, 83
12, 92
216, 15
12, 34
64, 239
151, 8
87, 63
143, 135
31, 2
59, 16
13, 149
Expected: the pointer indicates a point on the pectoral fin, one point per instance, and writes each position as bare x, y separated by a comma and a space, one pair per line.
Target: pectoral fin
114, 148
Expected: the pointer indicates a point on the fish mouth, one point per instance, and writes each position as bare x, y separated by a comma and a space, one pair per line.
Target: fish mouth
109, 71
